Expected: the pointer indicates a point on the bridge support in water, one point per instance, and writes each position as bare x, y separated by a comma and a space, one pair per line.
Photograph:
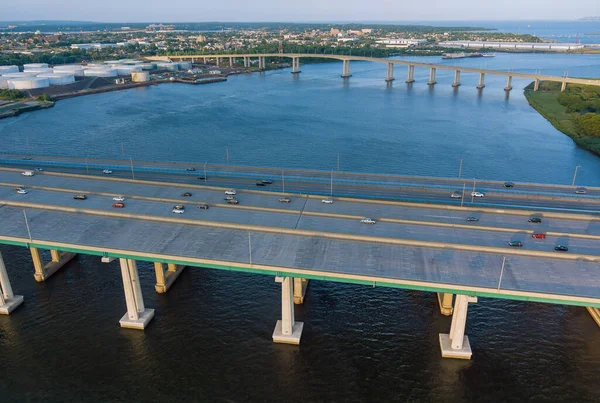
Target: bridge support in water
204, 60
300, 286
445, 302
508, 84
431, 76
410, 77
346, 69
137, 315
536, 84
246, 63
481, 84
390, 72
43, 272
295, 65
287, 330
456, 82
261, 62
165, 279
456, 344
595, 313
8, 301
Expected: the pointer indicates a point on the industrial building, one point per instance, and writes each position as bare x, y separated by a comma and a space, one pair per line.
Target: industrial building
516, 46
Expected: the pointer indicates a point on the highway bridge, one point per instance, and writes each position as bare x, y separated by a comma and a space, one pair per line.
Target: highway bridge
391, 63
417, 246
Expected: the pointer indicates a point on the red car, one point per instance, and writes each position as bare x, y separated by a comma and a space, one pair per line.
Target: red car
538, 235
118, 205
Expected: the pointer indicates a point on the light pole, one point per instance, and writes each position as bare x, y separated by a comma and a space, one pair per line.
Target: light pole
460, 169
473, 192
27, 225
123, 150
131, 161
575, 175
227, 155
205, 172
282, 182
87, 169
338, 162
331, 185
463, 194
501, 271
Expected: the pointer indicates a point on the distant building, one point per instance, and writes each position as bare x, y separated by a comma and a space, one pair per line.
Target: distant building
334, 32
401, 43
517, 46
201, 38
367, 30
214, 72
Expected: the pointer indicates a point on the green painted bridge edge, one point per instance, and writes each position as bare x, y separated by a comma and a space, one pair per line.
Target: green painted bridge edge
314, 277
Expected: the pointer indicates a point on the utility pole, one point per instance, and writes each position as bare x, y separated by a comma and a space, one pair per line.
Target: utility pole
331, 190
227, 155
472, 196
282, 181
460, 169
575, 175
463, 194
132, 175
338, 162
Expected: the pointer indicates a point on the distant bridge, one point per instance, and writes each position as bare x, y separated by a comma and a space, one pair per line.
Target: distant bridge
410, 78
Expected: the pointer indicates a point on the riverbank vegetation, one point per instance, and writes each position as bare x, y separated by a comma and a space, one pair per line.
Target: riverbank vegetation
11, 94
575, 112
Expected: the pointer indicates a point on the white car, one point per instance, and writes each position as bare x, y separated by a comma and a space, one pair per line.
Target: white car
107, 172
22, 191
39, 169
119, 198
327, 201
367, 221
581, 191
27, 173
455, 195
230, 192
477, 194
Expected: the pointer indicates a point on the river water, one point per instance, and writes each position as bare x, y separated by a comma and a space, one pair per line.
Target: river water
211, 337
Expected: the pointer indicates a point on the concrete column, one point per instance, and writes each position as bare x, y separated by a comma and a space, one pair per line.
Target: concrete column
563, 87
445, 302
410, 78
508, 84
295, 65
8, 301
346, 69
595, 313
456, 344
536, 84
261, 63
231, 62
192, 60
300, 286
431, 76
481, 84
390, 72
43, 272
456, 82
204, 61
137, 316
287, 330
246, 62
165, 279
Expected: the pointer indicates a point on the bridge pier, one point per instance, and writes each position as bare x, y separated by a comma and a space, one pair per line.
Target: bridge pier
563, 86
8, 301
508, 84
43, 272
431, 76
481, 84
218, 61
137, 315
390, 73
456, 82
261, 62
445, 303
595, 313
287, 330
346, 69
245, 62
536, 85
410, 78
231, 62
165, 279
456, 344
295, 65
204, 61
300, 286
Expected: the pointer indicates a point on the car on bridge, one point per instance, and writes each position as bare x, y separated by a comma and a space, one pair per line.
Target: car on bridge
39, 169
267, 181
107, 172
118, 205
509, 185
327, 201
472, 218
260, 183
178, 209
229, 198
230, 192
27, 173
27, 158
233, 201
285, 200
186, 194
477, 194
538, 235
190, 169
119, 198
80, 197
581, 191
516, 244
202, 178
203, 207
535, 220
561, 248
456, 195
367, 220
22, 192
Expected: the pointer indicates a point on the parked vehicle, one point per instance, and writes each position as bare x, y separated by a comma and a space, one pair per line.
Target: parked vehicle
233, 201
561, 248
230, 192
367, 220
203, 207
118, 205
27, 173
535, 220
285, 200
80, 197
538, 235
107, 172
327, 201
515, 244
472, 218
119, 198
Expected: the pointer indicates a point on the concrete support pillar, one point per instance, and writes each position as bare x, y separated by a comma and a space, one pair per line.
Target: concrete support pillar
43, 272
536, 84
8, 301
481, 84
300, 286
165, 279
231, 62
456, 344
204, 60
456, 82
193, 60
595, 313
563, 87
431, 76
287, 330
246, 64
295, 65
137, 316
390, 72
410, 77
346, 69
445, 302
508, 84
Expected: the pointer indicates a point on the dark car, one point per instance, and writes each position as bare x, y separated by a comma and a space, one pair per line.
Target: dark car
509, 185
472, 218
233, 201
186, 194
260, 184
27, 158
561, 248
80, 197
190, 169
285, 200
515, 244
202, 178
538, 235
203, 207
267, 181
535, 220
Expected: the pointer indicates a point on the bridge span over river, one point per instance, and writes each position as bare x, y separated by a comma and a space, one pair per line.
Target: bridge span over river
413, 245
219, 59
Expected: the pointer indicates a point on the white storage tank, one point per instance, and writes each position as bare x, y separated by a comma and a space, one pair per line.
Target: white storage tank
58, 79
168, 66
20, 75
100, 73
111, 62
147, 66
77, 71
38, 70
35, 66
185, 65
8, 69
4, 82
27, 83
140, 76
126, 70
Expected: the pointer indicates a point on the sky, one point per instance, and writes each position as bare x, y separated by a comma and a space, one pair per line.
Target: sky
295, 10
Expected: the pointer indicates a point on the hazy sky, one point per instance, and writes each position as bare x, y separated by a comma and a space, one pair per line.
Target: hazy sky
296, 10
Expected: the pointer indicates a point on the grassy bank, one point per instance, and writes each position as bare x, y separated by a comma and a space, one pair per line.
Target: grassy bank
549, 102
